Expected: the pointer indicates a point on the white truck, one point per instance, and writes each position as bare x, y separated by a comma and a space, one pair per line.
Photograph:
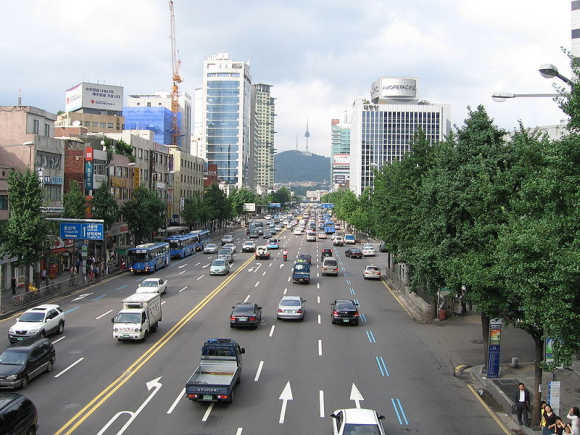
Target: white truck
139, 317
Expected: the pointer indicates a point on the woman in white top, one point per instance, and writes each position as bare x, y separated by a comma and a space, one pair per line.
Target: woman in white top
574, 417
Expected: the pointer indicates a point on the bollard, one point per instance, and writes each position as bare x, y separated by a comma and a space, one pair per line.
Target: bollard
515, 362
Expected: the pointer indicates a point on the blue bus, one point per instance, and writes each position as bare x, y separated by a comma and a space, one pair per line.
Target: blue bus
202, 237
148, 257
182, 245
329, 227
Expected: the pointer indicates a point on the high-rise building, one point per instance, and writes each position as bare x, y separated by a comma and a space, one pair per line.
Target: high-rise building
383, 128
340, 153
196, 143
137, 116
225, 118
575, 33
262, 134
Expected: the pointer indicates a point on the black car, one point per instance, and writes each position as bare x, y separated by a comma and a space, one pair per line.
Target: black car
353, 253
267, 234
326, 252
383, 247
245, 314
20, 364
344, 311
304, 258
17, 414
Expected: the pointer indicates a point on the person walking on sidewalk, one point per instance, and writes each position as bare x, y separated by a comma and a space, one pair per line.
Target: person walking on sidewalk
574, 417
550, 420
522, 401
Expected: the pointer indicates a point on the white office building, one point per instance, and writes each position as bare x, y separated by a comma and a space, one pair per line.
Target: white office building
575, 24
196, 143
225, 118
383, 128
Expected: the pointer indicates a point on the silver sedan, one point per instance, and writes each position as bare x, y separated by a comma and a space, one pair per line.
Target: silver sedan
291, 308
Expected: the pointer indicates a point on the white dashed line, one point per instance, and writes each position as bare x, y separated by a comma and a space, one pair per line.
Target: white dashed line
103, 315
285, 290
270, 265
289, 278
207, 413
197, 264
319, 319
319, 347
247, 298
69, 367
176, 401
321, 399
239, 431
257, 284
199, 277
272, 330
60, 339
317, 285
318, 299
205, 265
182, 272
264, 273
180, 290
260, 366
182, 266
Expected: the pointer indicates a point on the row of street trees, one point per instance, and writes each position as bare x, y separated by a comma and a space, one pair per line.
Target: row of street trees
499, 215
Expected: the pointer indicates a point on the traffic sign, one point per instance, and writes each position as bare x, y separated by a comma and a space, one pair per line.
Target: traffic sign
81, 230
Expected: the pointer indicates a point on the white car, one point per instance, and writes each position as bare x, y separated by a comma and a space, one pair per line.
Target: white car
249, 246
321, 235
338, 241
368, 251
372, 272
152, 285
228, 238
231, 246
357, 421
38, 321
297, 232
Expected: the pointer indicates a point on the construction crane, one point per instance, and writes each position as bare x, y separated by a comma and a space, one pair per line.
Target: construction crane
175, 78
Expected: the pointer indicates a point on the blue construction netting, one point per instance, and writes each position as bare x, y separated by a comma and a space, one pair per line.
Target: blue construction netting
156, 119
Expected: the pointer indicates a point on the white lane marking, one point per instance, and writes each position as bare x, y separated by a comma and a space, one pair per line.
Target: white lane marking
205, 265
281, 266
197, 264
285, 290
270, 265
176, 401
318, 299
317, 274
239, 431
257, 284
272, 330
180, 290
284, 397
319, 319
81, 297
182, 272
162, 303
259, 371
69, 367
321, 399
317, 285
250, 269
247, 298
207, 413
103, 315
199, 277
182, 266
60, 339
264, 273
319, 347
289, 278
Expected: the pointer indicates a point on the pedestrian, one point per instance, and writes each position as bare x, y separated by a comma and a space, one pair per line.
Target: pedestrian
550, 420
542, 414
574, 417
522, 401
13, 284
559, 426
43, 275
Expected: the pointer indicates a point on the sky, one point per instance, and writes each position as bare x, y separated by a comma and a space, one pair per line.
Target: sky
318, 54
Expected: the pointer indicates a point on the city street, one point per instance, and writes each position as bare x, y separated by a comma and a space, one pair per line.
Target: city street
101, 386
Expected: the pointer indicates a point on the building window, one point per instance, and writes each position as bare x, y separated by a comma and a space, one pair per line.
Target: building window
52, 192
47, 130
3, 202
36, 126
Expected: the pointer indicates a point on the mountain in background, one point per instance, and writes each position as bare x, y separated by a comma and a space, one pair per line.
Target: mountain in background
295, 166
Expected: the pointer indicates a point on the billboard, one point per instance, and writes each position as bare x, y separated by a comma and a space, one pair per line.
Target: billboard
341, 160
249, 206
394, 88
94, 96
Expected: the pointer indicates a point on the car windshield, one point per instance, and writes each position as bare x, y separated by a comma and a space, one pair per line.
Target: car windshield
149, 284
349, 236
300, 266
128, 318
290, 303
210, 246
329, 262
367, 247
355, 250
244, 309
31, 317
224, 252
13, 357
361, 429
218, 263
345, 306
372, 268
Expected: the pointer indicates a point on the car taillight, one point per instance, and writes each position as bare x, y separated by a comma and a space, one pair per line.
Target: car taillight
192, 396
299, 311
356, 314
222, 396
335, 313
232, 318
253, 318
280, 310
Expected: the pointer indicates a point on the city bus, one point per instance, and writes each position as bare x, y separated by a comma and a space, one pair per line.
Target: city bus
201, 238
329, 227
182, 245
148, 257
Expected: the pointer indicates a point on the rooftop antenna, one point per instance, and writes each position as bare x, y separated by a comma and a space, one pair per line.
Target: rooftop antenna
307, 135
19, 97
296, 142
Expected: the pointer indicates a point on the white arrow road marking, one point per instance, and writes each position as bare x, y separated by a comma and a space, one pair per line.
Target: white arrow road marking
239, 431
69, 367
251, 269
199, 277
197, 264
318, 299
356, 395
176, 401
321, 399
289, 278
60, 339
260, 366
319, 319
154, 385
205, 265
81, 297
207, 413
180, 290
247, 298
103, 315
285, 396
182, 266
257, 284
281, 266
182, 272
162, 303
319, 347
272, 330
285, 290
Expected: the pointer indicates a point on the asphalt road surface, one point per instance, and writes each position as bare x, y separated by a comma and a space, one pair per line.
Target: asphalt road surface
99, 386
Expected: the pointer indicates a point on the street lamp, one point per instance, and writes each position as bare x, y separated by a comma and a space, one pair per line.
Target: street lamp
549, 71
500, 97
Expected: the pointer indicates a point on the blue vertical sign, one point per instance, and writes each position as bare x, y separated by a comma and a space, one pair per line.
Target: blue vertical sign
494, 348
88, 176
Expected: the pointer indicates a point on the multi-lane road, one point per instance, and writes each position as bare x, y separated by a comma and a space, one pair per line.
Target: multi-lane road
294, 373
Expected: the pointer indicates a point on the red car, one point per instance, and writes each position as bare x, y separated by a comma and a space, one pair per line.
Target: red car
353, 253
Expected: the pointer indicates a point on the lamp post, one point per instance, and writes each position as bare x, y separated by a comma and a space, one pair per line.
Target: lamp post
500, 97
549, 71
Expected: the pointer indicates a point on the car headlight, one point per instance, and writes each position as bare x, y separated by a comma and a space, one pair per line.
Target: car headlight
34, 331
11, 377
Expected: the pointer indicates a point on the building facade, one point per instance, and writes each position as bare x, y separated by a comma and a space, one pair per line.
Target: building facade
262, 136
225, 118
163, 100
339, 153
197, 148
575, 32
188, 177
383, 128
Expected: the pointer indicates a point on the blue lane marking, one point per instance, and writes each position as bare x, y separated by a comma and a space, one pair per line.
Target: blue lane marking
122, 287
396, 411
70, 310
371, 336
380, 366
383, 366
363, 317
352, 292
98, 298
399, 411
356, 301
402, 411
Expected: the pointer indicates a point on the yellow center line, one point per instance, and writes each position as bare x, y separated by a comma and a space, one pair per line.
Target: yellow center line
493, 415
397, 299
72, 424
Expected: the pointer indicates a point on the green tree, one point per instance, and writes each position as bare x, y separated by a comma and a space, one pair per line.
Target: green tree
241, 196
217, 204
25, 234
74, 202
144, 213
194, 210
104, 206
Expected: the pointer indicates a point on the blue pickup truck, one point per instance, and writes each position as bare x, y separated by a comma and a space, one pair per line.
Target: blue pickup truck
301, 272
218, 373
